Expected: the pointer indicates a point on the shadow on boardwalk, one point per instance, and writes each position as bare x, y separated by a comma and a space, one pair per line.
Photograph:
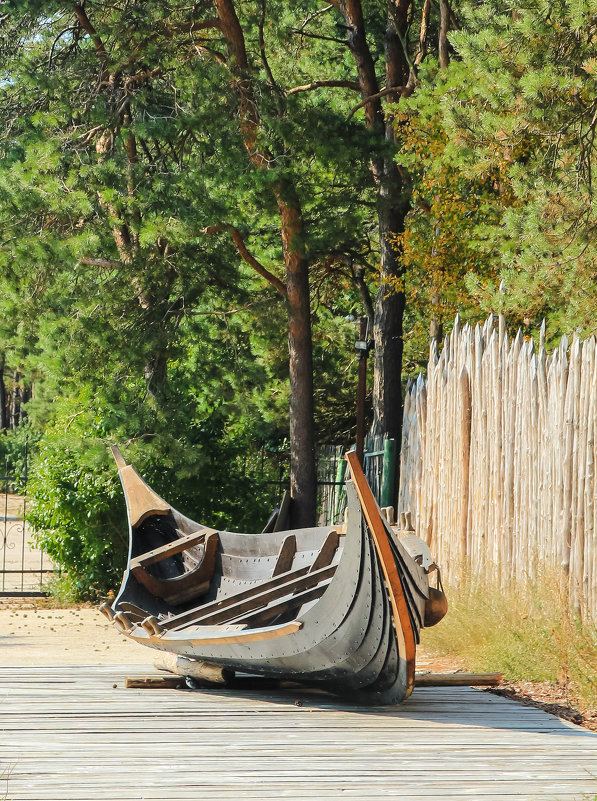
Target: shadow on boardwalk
458, 706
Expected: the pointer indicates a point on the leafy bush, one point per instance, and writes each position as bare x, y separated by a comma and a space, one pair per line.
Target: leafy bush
16, 447
76, 510
204, 467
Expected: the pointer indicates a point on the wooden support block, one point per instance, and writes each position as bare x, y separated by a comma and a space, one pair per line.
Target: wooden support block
202, 671
247, 682
458, 679
154, 682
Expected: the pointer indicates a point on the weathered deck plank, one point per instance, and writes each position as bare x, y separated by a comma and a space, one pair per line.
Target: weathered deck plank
66, 734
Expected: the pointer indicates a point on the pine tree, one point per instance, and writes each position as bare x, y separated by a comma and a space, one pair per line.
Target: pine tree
126, 200
517, 107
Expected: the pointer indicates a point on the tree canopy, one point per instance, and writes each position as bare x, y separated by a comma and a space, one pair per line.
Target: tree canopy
515, 116
196, 199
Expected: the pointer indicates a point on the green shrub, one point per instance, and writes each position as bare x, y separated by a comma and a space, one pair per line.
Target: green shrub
76, 505
16, 447
204, 467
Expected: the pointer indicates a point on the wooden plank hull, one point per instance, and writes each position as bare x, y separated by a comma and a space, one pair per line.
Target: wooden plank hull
340, 608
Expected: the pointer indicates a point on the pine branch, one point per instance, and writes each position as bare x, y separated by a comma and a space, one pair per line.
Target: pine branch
247, 256
191, 27
264, 60
100, 50
315, 14
70, 29
108, 264
88, 136
301, 32
425, 13
386, 91
307, 87
141, 76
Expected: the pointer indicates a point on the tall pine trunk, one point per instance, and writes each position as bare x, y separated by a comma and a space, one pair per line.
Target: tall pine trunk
15, 406
389, 309
392, 203
303, 476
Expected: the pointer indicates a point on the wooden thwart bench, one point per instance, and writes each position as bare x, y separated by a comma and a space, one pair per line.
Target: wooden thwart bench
290, 589
189, 585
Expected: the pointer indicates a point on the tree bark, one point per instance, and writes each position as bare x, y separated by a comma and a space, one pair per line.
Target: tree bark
436, 329
389, 311
303, 474
15, 406
444, 10
391, 207
156, 375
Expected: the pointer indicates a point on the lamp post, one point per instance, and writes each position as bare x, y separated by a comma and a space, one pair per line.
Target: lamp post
362, 346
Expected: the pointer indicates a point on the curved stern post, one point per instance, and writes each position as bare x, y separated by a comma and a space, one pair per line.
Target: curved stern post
404, 631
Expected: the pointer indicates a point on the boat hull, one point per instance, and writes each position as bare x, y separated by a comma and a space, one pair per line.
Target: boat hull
322, 606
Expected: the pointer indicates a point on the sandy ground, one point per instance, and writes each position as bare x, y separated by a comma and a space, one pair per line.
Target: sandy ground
37, 636
12, 505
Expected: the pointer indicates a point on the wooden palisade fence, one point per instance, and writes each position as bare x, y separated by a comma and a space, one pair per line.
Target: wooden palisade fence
498, 458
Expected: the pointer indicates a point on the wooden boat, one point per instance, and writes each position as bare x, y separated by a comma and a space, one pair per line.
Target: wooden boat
336, 606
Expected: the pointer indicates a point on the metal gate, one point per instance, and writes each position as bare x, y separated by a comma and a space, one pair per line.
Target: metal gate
24, 568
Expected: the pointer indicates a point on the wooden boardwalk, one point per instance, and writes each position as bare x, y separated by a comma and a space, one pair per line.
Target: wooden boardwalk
66, 733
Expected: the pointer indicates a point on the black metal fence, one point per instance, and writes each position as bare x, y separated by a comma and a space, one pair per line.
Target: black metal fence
24, 568
379, 459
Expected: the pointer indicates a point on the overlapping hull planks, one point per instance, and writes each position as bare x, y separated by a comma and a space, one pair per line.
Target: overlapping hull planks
336, 606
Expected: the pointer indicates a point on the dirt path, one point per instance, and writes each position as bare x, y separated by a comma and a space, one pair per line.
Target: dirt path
34, 636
